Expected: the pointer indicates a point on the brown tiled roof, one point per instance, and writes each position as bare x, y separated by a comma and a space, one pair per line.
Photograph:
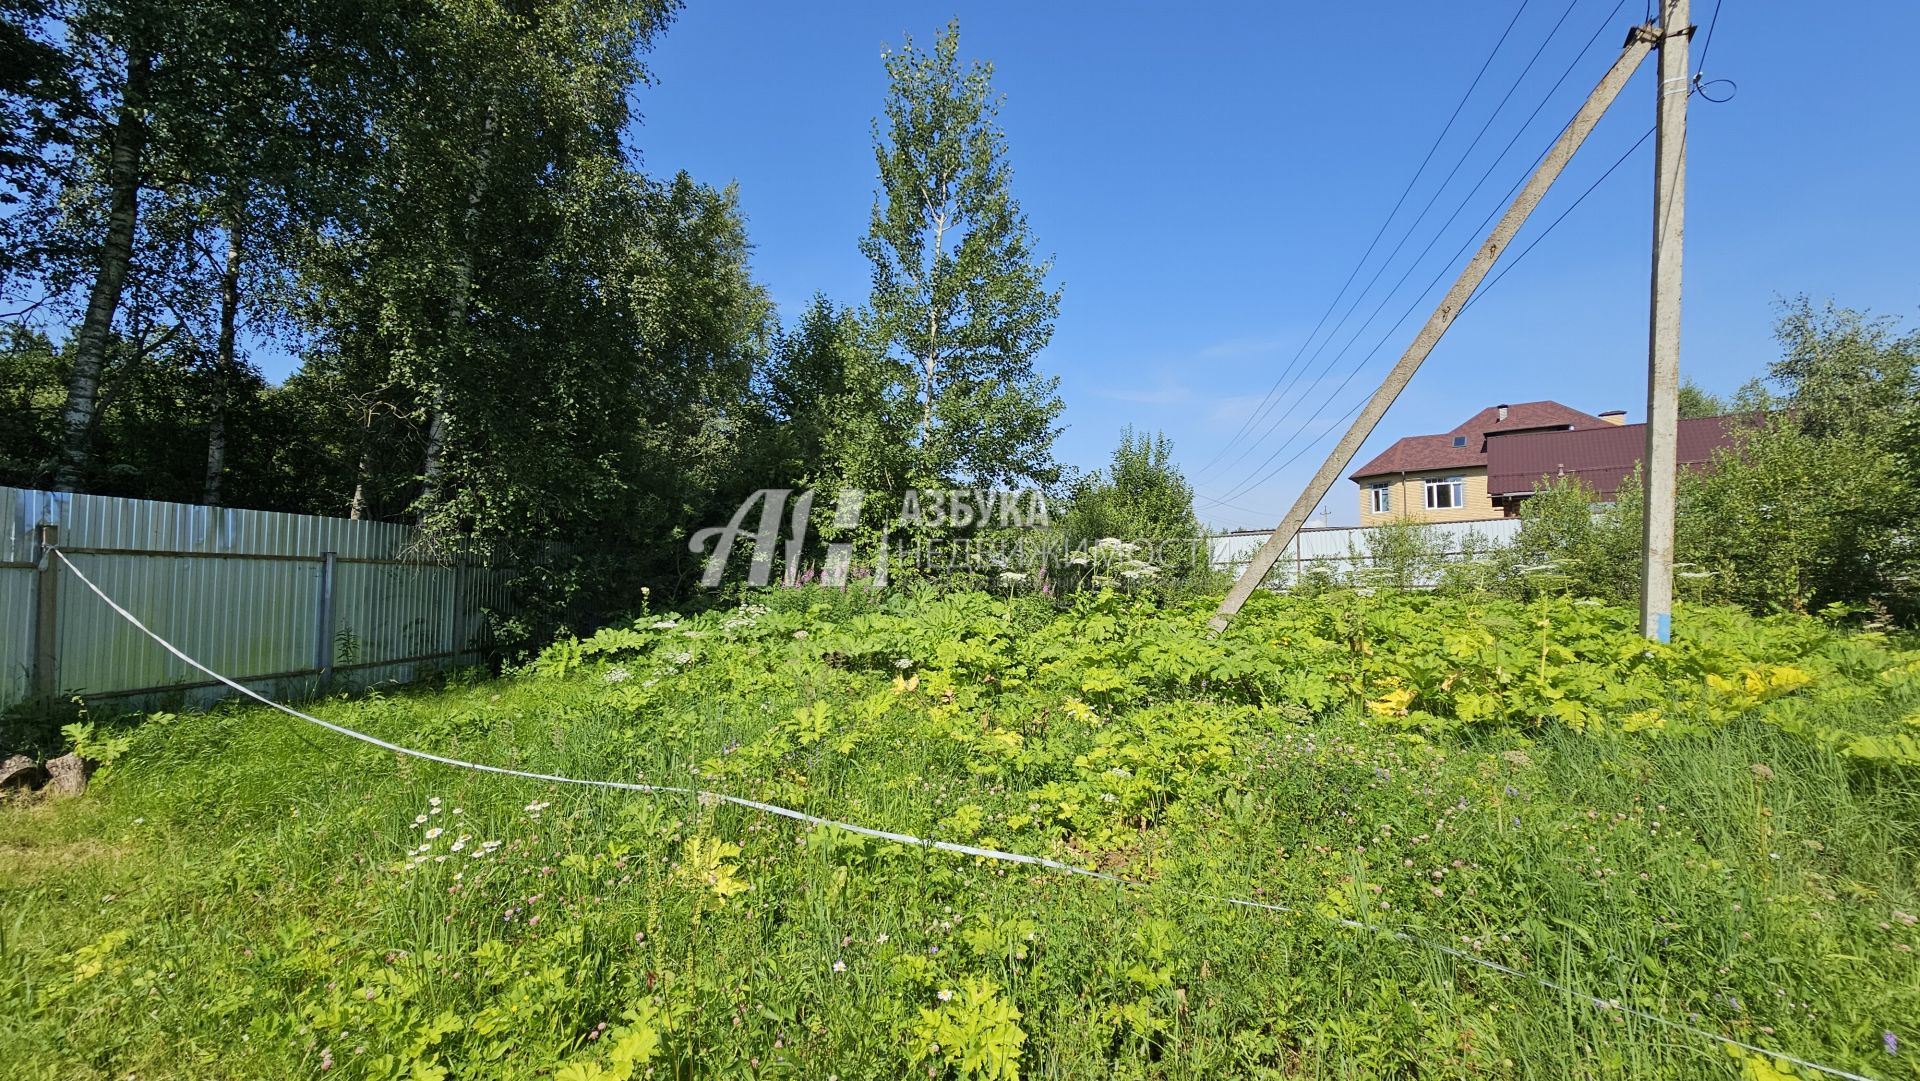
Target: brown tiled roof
1602, 457
1419, 452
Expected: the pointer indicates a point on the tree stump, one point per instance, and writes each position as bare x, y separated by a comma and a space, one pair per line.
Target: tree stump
69, 773
19, 771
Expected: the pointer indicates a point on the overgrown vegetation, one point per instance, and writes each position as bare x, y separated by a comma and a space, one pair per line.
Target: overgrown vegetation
1811, 508
504, 329
1722, 831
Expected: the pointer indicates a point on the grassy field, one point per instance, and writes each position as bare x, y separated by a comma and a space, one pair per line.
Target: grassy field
1725, 833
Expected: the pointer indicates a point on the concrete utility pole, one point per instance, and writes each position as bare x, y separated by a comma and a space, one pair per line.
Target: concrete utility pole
1575, 133
1660, 469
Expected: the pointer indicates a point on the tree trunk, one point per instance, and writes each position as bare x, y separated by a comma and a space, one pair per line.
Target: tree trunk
931, 360
224, 361
363, 471
457, 304
129, 143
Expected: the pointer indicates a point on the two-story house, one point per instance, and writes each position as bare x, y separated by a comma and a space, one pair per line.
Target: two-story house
1487, 466
1443, 478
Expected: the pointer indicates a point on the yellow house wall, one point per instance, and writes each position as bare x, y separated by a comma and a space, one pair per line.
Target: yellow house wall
1410, 498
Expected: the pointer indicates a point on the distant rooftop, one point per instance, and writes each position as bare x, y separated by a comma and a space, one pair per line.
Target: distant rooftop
1466, 445
1600, 457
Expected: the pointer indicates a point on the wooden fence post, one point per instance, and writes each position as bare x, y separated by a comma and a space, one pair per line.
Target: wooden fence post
46, 616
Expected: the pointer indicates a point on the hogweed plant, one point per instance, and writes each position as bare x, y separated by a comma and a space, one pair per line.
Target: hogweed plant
1719, 831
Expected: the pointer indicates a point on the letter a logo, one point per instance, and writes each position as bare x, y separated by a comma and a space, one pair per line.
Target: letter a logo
773, 501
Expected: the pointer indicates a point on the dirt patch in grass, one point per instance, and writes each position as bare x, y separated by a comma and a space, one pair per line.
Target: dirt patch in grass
44, 838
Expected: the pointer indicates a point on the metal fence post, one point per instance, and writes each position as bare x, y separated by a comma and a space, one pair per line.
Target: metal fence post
323, 619
457, 620
46, 616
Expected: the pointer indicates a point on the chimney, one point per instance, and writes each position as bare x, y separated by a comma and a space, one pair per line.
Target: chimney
1615, 417
1502, 414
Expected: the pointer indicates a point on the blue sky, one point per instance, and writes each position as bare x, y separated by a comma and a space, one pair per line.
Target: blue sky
1208, 177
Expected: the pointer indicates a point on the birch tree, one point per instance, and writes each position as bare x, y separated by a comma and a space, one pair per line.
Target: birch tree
959, 294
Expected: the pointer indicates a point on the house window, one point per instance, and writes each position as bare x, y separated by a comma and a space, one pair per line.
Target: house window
1446, 493
1459, 440
1380, 498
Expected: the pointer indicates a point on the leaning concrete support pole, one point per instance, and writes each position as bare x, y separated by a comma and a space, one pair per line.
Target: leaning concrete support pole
1638, 45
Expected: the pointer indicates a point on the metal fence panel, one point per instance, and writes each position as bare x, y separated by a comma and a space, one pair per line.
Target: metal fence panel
392, 613
16, 632
243, 618
238, 590
1343, 550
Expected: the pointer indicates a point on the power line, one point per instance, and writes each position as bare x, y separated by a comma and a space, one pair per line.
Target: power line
1700, 83
1254, 417
1706, 43
1255, 477
1451, 218
1412, 227
1482, 291
1544, 233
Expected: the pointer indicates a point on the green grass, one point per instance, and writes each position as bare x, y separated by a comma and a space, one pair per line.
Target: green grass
235, 897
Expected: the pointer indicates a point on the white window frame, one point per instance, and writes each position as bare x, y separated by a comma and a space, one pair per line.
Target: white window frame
1455, 487
1380, 497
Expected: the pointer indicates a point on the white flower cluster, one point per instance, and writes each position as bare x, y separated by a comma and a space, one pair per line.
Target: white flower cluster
425, 853
1115, 557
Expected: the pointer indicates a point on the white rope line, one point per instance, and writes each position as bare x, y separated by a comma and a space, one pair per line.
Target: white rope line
943, 846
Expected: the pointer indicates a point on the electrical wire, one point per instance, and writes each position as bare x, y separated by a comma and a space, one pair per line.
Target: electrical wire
1706, 43
1486, 287
1257, 477
1451, 218
1412, 228
1700, 83
1253, 418
1544, 233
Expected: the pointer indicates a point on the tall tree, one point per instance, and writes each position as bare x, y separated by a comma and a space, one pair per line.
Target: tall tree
825, 391
1816, 501
959, 294
1141, 495
1846, 371
123, 142
192, 131
34, 100
1698, 402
